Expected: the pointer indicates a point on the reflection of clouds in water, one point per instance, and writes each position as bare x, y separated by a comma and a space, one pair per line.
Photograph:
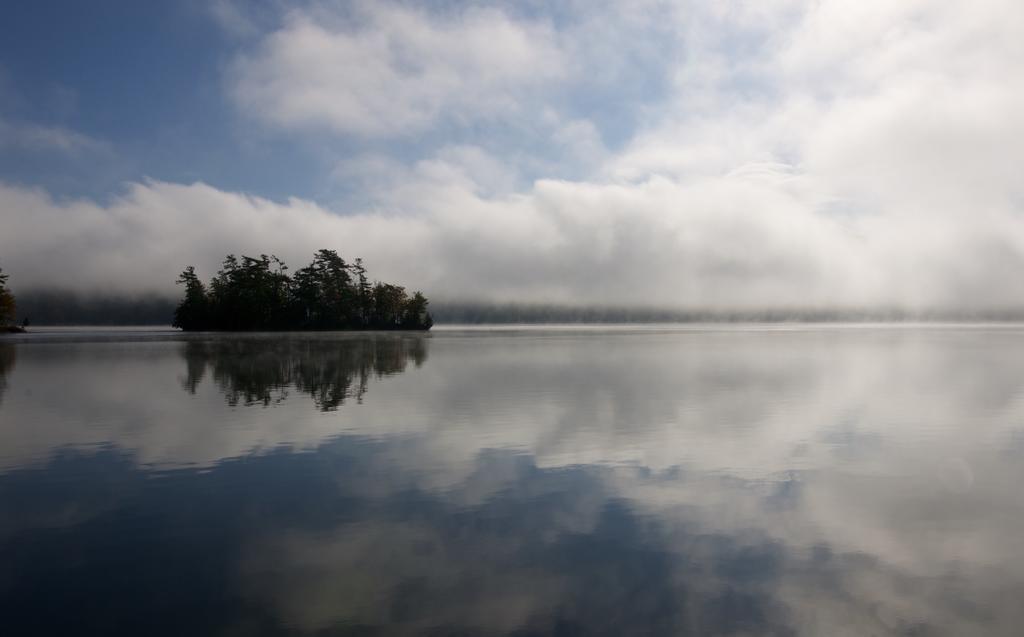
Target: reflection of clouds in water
303, 547
313, 542
867, 554
750, 402
807, 482
128, 394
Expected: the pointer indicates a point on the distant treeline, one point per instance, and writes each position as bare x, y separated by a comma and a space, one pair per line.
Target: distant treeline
473, 313
255, 293
62, 307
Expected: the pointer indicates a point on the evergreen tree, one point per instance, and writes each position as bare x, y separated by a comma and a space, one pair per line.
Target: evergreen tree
336, 291
415, 314
251, 293
7, 305
388, 305
364, 294
192, 312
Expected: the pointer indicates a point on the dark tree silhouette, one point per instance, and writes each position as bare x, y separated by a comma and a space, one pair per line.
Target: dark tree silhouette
388, 305
324, 294
258, 371
415, 314
193, 312
251, 293
7, 304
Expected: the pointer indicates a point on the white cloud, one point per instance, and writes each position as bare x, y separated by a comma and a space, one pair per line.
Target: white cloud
743, 240
394, 70
898, 104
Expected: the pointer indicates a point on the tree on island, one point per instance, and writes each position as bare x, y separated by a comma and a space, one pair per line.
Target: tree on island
193, 311
7, 304
255, 293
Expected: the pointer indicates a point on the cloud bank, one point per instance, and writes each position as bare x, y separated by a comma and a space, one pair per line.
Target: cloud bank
739, 241
793, 155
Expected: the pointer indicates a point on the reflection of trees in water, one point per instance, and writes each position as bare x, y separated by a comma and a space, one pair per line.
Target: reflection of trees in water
253, 371
6, 365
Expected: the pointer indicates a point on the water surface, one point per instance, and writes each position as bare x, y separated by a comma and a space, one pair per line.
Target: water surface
742, 480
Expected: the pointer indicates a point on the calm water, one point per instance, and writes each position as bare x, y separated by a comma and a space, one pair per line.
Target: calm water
698, 481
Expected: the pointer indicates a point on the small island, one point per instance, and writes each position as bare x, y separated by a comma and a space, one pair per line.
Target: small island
256, 294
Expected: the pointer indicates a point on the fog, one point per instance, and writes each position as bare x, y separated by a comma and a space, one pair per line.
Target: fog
736, 242
794, 156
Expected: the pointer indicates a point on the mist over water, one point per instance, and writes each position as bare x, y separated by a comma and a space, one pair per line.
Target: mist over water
738, 243
700, 480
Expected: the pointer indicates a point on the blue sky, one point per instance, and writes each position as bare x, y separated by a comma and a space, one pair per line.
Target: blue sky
661, 152
143, 82
143, 90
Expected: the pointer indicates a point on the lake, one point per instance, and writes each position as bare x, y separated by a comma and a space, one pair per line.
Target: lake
688, 480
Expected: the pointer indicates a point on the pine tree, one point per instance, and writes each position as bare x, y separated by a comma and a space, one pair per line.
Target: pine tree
255, 293
7, 305
193, 311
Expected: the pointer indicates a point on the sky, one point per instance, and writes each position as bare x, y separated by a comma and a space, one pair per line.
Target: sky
670, 153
